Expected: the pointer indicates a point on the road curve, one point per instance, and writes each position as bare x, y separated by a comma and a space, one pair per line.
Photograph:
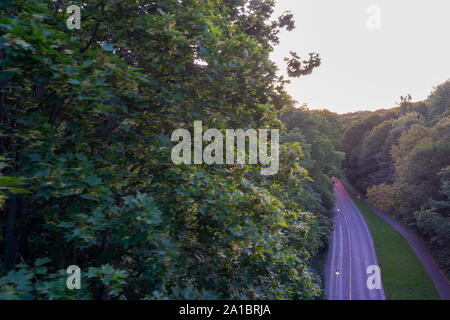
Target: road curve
350, 252
416, 243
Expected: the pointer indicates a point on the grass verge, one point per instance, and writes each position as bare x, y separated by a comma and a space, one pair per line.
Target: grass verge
402, 273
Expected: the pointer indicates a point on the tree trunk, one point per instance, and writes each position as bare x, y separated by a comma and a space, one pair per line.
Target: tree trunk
12, 232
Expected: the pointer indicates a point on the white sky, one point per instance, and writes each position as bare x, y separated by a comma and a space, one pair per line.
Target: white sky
366, 69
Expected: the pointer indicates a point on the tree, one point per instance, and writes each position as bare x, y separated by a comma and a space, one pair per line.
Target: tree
319, 132
374, 161
400, 161
352, 140
86, 176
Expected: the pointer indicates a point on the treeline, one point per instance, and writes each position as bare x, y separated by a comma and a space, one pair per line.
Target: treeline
319, 134
86, 173
401, 158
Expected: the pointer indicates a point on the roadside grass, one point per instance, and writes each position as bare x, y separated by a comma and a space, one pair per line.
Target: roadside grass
402, 273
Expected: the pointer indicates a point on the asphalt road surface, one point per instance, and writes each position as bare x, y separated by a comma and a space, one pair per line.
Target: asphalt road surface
416, 243
351, 252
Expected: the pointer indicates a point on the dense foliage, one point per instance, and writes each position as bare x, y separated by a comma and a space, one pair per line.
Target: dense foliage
401, 158
319, 133
86, 177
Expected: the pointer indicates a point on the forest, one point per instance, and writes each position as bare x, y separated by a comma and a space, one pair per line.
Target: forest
87, 180
86, 177
400, 158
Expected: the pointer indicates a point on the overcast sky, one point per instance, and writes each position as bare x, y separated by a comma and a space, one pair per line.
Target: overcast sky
364, 69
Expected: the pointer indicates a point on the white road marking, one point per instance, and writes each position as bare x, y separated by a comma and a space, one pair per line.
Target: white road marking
332, 257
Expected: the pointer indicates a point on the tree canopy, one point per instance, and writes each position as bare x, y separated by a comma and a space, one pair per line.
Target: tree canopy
86, 177
401, 158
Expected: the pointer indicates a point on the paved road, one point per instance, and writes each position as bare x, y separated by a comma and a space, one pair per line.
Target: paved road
432, 268
351, 252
